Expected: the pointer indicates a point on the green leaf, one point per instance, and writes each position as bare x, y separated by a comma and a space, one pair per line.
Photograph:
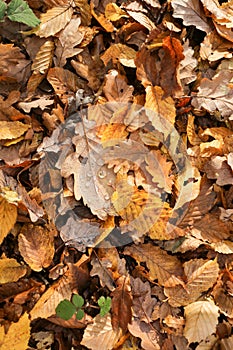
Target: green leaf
79, 314
77, 300
19, 11
65, 309
105, 305
3, 7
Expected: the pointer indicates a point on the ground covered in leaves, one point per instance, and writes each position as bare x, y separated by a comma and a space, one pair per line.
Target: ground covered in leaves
116, 186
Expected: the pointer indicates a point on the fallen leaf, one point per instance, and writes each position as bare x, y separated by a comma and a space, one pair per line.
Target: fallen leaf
149, 336
36, 246
11, 270
120, 52
41, 103
214, 48
116, 87
18, 335
114, 12
201, 320
8, 216
100, 334
12, 130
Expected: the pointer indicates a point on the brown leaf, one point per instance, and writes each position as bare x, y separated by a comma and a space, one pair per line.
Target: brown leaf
116, 87
85, 11
149, 336
114, 12
169, 75
147, 71
121, 305
166, 268
12, 130
120, 52
214, 47
36, 246
103, 21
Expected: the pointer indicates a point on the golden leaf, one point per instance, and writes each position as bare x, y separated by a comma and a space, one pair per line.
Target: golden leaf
43, 59
114, 12
8, 216
100, 334
201, 320
53, 21
12, 130
18, 335
103, 21
120, 52
36, 246
11, 270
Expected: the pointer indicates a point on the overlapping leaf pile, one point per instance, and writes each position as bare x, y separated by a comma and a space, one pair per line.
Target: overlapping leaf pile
130, 198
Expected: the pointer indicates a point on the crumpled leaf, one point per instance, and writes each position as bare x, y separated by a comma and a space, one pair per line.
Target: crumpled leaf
100, 334
36, 246
201, 320
69, 37
53, 21
216, 94
11, 270
120, 52
213, 47
18, 335
187, 65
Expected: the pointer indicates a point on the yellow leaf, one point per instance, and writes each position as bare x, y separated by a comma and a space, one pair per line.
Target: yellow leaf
53, 21
17, 336
12, 130
114, 12
201, 320
103, 21
100, 334
36, 246
43, 59
11, 270
8, 215
120, 52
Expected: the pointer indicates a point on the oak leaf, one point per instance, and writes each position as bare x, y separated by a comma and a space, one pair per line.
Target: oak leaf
201, 320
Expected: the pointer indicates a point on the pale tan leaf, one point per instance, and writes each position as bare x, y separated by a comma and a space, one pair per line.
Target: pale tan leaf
120, 52
53, 21
208, 343
201, 320
166, 268
138, 12
8, 216
221, 14
43, 59
36, 246
69, 37
216, 94
191, 12
18, 335
41, 103
187, 65
223, 247
12, 130
11, 270
214, 48
100, 334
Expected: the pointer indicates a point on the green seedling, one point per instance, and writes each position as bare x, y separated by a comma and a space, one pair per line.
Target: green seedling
18, 11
